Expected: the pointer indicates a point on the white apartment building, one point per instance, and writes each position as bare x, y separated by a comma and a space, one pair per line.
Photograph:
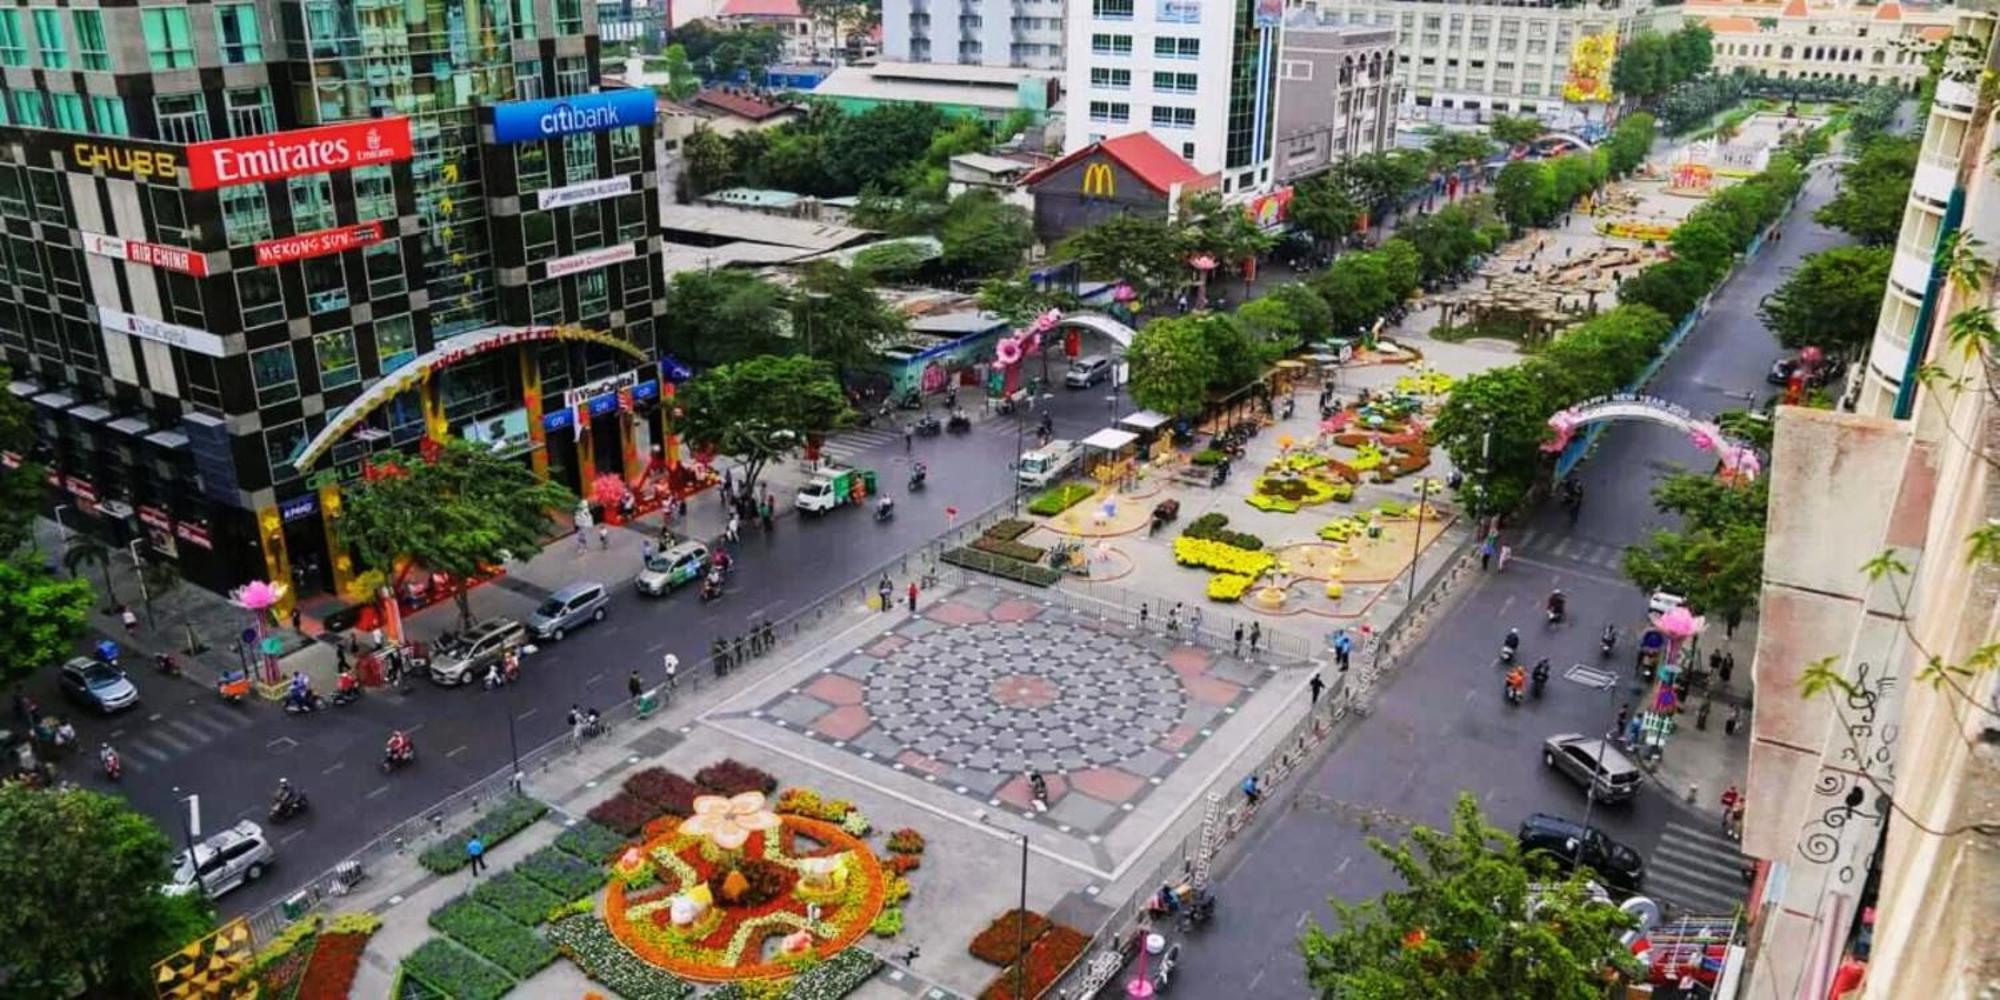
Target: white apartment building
1465, 61
1023, 34
1200, 77
1841, 40
1336, 94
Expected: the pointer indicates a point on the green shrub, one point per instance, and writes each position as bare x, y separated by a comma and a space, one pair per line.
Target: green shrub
455, 972
1215, 528
588, 942
561, 873
1002, 566
1209, 456
508, 818
1060, 498
591, 842
522, 900
1012, 550
1009, 529
492, 936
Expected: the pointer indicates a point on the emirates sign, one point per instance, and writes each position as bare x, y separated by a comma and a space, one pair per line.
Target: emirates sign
300, 151
318, 244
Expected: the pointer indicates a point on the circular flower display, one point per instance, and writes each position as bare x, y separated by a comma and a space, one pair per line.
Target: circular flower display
710, 912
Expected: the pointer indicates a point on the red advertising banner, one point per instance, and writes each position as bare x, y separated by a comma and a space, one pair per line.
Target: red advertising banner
319, 244
300, 151
194, 533
151, 254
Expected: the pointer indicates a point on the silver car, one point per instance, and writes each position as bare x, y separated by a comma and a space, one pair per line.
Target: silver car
463, 658
222, 862
572, 606
1596, 764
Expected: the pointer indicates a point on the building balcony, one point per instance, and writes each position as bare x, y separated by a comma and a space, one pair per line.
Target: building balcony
1956, 97
1937, 174
1910, 274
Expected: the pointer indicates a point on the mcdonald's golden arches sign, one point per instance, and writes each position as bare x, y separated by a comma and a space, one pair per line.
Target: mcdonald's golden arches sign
1099, 181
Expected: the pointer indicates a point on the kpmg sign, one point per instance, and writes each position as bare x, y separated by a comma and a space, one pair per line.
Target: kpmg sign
527, 121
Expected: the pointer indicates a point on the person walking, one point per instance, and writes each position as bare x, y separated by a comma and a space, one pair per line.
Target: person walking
1252, 791
131, 620
913, 597
1624, 713
604, 537
1486, 552
1174, 619
582, 540
1239, 638
765, 512
733, 532
1730, 798
1506, 553
1194, 623
1343, 647
909, 436
1728, 666
475, 854
673, 665
1038, 787
633, 686
883, 590
1256, 634
1317, 686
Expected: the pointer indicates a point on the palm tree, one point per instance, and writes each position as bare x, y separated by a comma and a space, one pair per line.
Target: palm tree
161, 576
86, 549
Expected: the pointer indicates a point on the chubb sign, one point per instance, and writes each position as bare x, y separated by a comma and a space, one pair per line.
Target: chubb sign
300, 151
527, 121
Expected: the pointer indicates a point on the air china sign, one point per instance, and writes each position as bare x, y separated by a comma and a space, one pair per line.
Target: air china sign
301, 151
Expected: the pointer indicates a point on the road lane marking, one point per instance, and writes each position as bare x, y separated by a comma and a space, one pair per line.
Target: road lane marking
337, 765
163, 737
1344, 862
523, 717
149, 751
1300, 924
1572, 570
288, 838
155, 717
455, 752
199, 736
592, 679
376, 792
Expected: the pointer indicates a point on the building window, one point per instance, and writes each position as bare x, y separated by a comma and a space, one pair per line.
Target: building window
524, 19
1175, 83
374, 192
538, 233
1111, 10
1164, 117
49, 38
338, 363
69, 112
636, 277
569, 17
13, 202
27, 263
1110, 111
258, 297
528, 80
28, 109
237, 35
395, 343
168, 40
45, 189
586, 226
572, 76
182, 117
280, 444
275, 373
13, 48
628, 150
90, 46
312, 203
385, 270
1112, 79
545, 302
579, 157
326, 289
531, 165
1176, 48
593, 293
1111, 45
631, 218
1187, 151
249, 111
246, 217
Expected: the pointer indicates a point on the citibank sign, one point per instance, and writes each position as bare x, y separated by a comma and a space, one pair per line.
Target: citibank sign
528, 121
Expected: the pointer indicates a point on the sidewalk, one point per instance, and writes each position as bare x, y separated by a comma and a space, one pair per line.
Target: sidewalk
1698, 764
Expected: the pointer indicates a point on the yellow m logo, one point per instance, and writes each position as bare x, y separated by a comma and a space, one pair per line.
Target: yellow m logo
1098, 182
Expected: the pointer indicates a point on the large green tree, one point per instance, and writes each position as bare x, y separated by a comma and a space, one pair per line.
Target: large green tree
1716, 558
1324, 206
1287, 316
1515, 131
1475, 920
1381, 180
1831, 300
1449, 149
715, 317
461, 511
1674, 287
1525, 193
41, 616
1704, 243
1493, 425
763, 408
838, 318
708, 162
83, 913
1222, 230
1873, 191
1356, 290
1171, 364
983, 236
1142, 251
682, 83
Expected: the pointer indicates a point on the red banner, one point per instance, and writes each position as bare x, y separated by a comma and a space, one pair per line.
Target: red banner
193, 533
10, 459
300, 151
151, 254
154, 517
319, 244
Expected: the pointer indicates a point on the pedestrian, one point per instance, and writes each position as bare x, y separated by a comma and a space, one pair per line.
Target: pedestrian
1735, 822
1506, 553
728, 482
1252, 791
340, 657
1486, 552
645, 551
1343, 647
913, 597
1038, 787
1239, 638
1317, 686
1256, 634
765, 512
681, 508
297, 616
1715, 661
1624, 712
1633, 727
604, 536
1194, 623
909, 435
734, 529
1729, 800
632, 685
475, 852
1174, 619
673, 665
131, 620
883, 590
582, 540
1728, 666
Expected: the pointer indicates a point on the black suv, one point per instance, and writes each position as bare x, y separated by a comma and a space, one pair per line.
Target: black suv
1559, 838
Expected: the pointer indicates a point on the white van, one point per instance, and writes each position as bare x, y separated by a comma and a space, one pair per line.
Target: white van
1048, 463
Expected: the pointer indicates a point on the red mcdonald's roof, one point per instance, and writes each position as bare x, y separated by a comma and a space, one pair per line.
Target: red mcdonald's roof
1142, 156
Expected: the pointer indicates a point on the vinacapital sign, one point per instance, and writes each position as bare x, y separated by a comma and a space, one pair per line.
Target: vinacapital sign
300, 151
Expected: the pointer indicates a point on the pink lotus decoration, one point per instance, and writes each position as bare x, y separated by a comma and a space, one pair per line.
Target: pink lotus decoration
1564, 424
608, 489
258, 597
1045, 322
1008, 352
1202, 262
1680, 625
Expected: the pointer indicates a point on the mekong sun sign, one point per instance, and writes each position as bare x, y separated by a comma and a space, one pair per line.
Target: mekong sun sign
300, 151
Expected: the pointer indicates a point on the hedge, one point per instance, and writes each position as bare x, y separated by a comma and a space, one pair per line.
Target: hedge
1009, 529
585, 940
508, 818
591, 842
1002, 566
447, 968
1215, 528
516, 896
491, 935
1060, 498
1012, 550
561, 873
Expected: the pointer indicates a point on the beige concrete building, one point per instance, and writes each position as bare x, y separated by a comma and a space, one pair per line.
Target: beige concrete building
1883, 794
1840, 40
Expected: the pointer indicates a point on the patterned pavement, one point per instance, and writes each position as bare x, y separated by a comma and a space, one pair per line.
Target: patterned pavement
985, 684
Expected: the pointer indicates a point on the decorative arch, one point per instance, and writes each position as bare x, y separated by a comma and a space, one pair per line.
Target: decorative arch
1739, 460
448, 352
1119, 333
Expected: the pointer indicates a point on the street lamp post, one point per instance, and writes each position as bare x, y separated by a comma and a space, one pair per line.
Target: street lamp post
62, 533
139, 570
1609, 685
187, 805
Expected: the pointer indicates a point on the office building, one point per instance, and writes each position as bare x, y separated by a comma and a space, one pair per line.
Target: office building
1336, 93
1876, 43
250, 245
1021, 34
1200, 78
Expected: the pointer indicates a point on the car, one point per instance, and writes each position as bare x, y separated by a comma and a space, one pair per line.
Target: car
684, 563
222, 862
1594, 763
462, 657
1087, 371
98, 685
1569, 843
570, 607
1781, 371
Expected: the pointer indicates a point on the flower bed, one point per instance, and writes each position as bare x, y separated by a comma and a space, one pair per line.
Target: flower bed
967, 557
1061, 498
1209, 456
561, 873
1003, 940
585, 940
1009, 529
906, 841
731, 777
492, 936
623, 813
1213, 527
808, 803
1048, 958
508, 818
447, 968
1229, 586
665, 789
335, 960
521, 899
1010, 549
837, 976
1289, 493
281, 965
591, 842
1221, 557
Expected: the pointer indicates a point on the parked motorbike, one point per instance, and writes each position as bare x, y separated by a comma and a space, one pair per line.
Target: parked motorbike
1196, 912
1163, 974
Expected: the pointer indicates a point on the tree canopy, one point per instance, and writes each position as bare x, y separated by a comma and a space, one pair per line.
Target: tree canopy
1324, 206
1873, 191
463, 511
838, 318
1831, 300
1716, 559
83, 907
41, 616
699, 303
1449, 149
762, 408
983, 236
1287, 316
729, 54
1177, 360
682, 83
1516, 130
1143, 251
1475, 920
1649, 64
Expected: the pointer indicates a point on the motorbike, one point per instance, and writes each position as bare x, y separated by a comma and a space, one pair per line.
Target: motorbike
1556, 615
916, 482
959, 423
233, 686
1607, 642
1508, 647
1514, 694
114, 768
345, 696
305, 704
1290, 404
1196, 912
393, 759
928, 426
1541, 678
711, 588
885, 510
167, 665
285, 808
1163, 974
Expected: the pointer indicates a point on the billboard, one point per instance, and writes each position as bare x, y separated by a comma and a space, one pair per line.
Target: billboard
290, 248
300, 151
1588, 80
590, 260
151, 254
527, 121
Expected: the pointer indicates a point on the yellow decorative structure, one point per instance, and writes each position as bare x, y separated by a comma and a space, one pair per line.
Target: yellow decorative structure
218, 965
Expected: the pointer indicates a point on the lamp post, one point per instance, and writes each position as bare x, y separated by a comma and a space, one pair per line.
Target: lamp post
1607, 683
189, 818
1417, 544
62, 534
139, 570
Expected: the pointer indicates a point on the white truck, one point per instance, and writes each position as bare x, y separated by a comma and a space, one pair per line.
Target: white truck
1048, 463
833, 487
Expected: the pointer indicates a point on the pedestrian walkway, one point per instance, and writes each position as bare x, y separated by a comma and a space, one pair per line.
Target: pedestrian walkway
147, 741
1537, 543
1697, 870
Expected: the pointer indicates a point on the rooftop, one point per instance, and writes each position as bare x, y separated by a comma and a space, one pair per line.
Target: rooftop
738, 103
991, 164
753, 197
1145, 157
761, 8
756, 227
973, 89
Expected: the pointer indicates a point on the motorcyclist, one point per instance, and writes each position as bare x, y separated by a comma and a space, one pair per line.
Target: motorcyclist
299, 687
1610, 637
917, 473
400, 746
167, 664
1557, 603
1512, 644
720, 562
1516, 680
107, 757
885, 508
493, 679
282, 799
711, 585
1541, 675
347, 685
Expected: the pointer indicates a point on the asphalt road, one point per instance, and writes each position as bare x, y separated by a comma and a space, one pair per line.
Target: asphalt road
232, 757
1441, 725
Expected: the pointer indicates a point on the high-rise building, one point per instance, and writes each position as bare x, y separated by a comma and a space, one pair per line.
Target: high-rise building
1023, 34
1200, 77
249, 245
1336, 93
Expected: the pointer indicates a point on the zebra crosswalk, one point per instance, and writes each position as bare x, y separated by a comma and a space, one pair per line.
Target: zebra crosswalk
1537, 543
149, 742
849, 446
1696, 871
